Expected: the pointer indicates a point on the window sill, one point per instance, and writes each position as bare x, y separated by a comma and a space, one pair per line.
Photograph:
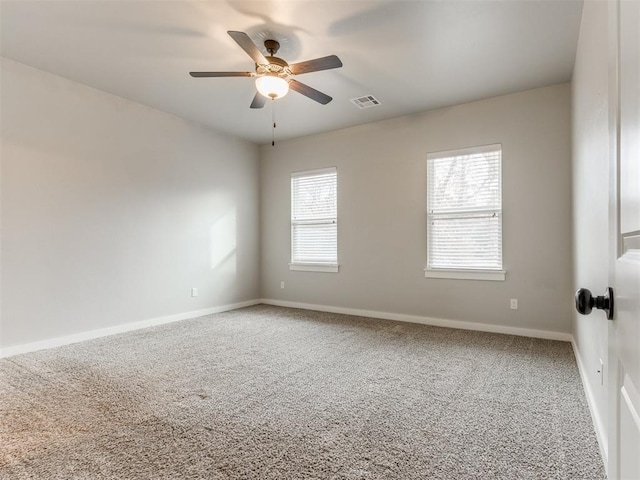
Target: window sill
494, 275
314, 267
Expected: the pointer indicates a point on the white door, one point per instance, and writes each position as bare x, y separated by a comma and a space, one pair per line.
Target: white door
623, 394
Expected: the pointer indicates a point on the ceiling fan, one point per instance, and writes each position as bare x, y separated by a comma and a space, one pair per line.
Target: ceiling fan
273, 74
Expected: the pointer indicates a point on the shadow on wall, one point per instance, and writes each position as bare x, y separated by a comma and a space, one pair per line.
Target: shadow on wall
223, 243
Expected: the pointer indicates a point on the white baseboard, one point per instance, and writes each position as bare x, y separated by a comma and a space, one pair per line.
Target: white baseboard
596, 418
127, 327
436, 322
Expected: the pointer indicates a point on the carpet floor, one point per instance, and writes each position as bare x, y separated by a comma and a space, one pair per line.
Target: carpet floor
275, 393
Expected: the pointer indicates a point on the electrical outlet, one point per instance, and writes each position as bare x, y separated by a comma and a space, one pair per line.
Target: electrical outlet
194, 292
601, 372
281, 284
514, 304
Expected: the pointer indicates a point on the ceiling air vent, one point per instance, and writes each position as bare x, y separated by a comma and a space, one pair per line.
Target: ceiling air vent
367, 101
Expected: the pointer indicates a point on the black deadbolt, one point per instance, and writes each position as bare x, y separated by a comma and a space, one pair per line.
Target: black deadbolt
585, 302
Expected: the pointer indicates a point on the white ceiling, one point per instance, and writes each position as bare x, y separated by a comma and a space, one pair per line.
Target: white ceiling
411, 55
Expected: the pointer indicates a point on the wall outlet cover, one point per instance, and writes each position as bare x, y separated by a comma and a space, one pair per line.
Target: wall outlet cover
601, 372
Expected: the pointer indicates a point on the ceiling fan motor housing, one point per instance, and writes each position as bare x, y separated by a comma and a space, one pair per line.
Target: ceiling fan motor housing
276, 66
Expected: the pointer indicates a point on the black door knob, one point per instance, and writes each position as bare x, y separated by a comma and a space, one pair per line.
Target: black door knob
585, 302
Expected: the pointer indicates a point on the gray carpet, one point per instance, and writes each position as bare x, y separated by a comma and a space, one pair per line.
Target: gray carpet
273, 393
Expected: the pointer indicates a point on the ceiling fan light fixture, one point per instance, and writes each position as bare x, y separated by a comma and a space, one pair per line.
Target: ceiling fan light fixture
272, 86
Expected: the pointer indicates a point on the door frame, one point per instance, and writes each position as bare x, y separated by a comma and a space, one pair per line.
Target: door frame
613, 379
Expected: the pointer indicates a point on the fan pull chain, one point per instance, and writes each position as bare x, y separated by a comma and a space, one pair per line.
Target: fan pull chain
273, 121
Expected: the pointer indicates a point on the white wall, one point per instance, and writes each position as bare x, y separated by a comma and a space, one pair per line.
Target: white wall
590, 196
382, 210
112, 211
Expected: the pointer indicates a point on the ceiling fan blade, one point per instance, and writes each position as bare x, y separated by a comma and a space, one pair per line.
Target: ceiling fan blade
324, 63
221, 74
307, 91
248, 46
258, 101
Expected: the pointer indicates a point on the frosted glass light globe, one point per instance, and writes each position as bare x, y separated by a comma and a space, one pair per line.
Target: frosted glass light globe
272, 87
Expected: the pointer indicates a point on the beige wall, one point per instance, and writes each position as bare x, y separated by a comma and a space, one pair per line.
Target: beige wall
381, 213
112, 212
590, 196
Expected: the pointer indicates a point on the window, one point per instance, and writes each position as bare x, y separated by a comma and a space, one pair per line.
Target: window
314, 222
464, 214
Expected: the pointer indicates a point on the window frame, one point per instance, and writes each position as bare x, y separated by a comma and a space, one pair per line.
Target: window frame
312, 266
469, 272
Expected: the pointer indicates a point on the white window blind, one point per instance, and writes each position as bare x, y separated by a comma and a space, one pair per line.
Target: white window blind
464, 209
314, 224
